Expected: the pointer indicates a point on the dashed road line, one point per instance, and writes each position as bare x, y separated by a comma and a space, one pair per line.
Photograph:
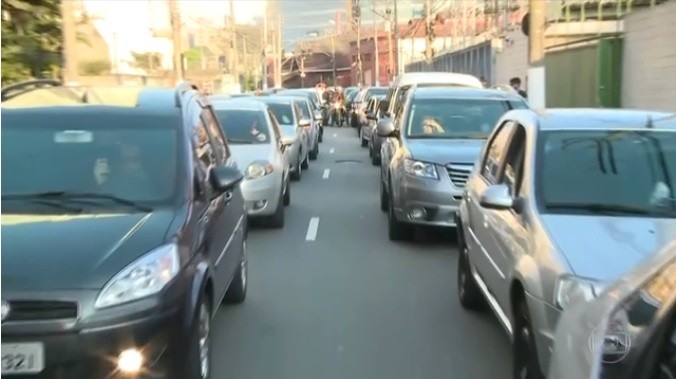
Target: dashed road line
312, 228
332, 150
326, 174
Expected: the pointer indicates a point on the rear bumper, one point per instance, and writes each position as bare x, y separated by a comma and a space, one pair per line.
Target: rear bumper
262, 195
436, 200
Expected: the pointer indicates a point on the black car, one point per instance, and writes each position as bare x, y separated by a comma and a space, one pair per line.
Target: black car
124, 230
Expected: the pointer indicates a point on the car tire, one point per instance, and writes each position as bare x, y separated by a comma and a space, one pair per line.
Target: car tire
198, 363
364, 142
370, 151
321, 135
397, 230
295, 176
375, 160
469, 294
314, 152
287, 194
276, 221
384, 199
306, 162
236, 293
524, 352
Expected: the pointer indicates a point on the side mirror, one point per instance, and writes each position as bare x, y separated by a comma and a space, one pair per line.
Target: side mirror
287, 141
385, 128
304, 123
371, 116
497, 197
225, 178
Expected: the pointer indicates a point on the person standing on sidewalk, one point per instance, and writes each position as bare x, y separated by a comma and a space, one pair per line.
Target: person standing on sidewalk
516, 84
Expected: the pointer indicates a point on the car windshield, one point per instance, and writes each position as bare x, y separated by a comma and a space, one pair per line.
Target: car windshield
376, 91
607, 171
130, 158
454, 118
283, 112
243, 126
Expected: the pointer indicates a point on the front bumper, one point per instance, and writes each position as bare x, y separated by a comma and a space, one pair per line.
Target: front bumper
262, 195
436, 201
545, 319
72, 351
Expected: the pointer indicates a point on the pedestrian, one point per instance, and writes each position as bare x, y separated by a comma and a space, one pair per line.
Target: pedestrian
516, 84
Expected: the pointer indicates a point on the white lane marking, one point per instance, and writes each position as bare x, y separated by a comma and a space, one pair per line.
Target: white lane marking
326, 174
332, 150
335, 134
312, 229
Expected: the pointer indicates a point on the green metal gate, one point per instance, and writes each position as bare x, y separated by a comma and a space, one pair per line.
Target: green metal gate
585, 74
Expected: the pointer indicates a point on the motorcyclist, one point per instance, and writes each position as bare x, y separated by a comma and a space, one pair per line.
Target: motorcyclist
339, 107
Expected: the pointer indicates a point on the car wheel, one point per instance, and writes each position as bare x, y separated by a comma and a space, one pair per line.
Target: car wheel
314, 152
198, 365
375, 159
295, 176
364, 142
370, 151
276, 221
469, 294
306, 162
384, 199
524, 353
287, 194
237, 291
397, 230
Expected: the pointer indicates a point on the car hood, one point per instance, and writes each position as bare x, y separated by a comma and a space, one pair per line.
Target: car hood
442, 151
69, 252
606, 247
245, 154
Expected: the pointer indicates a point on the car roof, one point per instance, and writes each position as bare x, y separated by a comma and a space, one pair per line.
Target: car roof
278, 99
451, 78
463, 93
242, 103
602, 119
29, 116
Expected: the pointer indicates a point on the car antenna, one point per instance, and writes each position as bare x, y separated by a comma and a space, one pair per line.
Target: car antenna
650, 124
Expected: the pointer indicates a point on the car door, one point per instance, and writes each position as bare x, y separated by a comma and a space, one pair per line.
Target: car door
481, 243
507, 226
277, 131
395, 150
227, 215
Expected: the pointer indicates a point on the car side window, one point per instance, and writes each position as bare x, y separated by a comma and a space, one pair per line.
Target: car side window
495, 152
512, 174
275, 125
219, 143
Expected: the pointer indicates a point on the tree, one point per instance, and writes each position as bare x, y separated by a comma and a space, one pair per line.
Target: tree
31, 39
147, 61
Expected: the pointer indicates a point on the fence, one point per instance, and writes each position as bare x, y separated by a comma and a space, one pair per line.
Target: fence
477, 60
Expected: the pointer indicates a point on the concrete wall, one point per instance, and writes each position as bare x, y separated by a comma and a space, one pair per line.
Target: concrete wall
649, 62
513, 59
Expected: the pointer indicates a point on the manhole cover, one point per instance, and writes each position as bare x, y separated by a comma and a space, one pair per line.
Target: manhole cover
348, 161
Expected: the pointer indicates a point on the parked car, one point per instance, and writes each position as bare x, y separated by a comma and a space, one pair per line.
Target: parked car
315, 130
256, 142
366, 129
139, 209
358, 116
429, 152
289, 116
561, 203
628, 332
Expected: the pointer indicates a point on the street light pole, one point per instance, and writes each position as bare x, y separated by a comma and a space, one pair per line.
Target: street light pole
69, 42
333, 57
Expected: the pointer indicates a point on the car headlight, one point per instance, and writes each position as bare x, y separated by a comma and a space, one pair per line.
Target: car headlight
420, 169
258, 170
571, 289
144, 277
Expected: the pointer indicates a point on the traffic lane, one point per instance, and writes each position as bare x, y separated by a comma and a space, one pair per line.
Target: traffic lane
351, 304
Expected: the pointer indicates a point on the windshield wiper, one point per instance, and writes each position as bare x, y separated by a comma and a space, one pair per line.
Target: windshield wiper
604, 208
240, 141
78, 196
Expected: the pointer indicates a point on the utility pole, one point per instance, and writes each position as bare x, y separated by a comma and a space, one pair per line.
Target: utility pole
395, 36
390, 51
333, 57
536, 70
376, 53
233, 38
69, 42
264, 43
429, 31
302, 64
280, 50
175, 18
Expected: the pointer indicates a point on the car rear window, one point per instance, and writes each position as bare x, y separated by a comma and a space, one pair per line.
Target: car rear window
283, 113
242, 126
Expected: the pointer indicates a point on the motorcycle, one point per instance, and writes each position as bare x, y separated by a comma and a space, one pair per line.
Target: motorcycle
338, 113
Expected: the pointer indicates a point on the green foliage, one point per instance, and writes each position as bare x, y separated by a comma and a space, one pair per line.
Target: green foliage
31, 39
96, 67
250, 83
147, 61
193, 58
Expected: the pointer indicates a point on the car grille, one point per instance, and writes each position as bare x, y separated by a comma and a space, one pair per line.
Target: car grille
459, 173
41, 310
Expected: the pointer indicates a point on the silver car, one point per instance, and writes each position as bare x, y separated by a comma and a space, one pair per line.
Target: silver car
634, 317
373, 141
288, 115
313, 129
429, 151
258, 147
560, 203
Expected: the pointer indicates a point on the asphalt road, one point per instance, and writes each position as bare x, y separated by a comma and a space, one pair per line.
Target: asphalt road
350, 303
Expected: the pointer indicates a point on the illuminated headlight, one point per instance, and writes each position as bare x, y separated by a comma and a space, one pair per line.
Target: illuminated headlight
420, 169
130, 361
571, 289
258, 170
144, 277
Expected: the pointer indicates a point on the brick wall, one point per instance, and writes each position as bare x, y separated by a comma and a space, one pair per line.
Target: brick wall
649, 62
513, 59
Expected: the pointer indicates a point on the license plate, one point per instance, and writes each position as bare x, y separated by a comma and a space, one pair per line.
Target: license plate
23, 358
